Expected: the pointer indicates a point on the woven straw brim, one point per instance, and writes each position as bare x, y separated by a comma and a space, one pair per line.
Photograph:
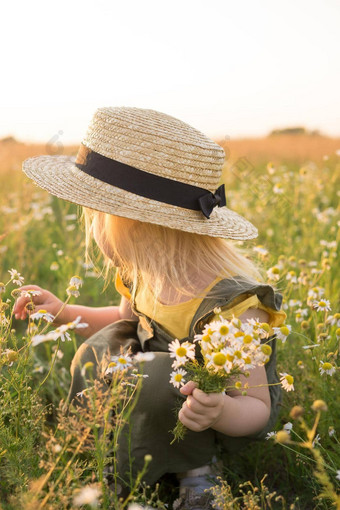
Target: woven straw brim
60, 176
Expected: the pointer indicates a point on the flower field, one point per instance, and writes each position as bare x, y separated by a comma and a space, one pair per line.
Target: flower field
289, 187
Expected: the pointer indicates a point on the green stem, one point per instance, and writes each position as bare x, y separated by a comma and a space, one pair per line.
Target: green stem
51, 367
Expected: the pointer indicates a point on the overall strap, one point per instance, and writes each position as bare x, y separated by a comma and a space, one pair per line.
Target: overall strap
228, 289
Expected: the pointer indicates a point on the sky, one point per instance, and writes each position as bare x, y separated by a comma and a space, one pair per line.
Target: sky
229, 68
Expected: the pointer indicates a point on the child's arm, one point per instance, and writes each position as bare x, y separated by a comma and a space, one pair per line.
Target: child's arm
97, 318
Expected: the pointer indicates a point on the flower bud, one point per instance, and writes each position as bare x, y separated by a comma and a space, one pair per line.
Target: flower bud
282, 437
296, 412
319, 405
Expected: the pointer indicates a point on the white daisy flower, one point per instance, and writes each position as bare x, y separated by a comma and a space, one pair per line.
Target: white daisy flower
177, 377
42, 314
261, 250
120, 362
30, 292
287, 381
288, 427
144, 356
316, 292
282, 332
270, 435
331, 431
38, 339
72, 290
294, 302
76, 281
88, 495
291, 277
326, 368
322, 305
182, 352
16, 277
218, 360
273, 273
316, 440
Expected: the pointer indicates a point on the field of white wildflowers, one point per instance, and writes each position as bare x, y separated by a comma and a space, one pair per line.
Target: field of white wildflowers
52, 459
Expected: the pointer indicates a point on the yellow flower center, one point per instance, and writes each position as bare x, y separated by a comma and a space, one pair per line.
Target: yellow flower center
284, 330
230, 357
181, 351
266, 349
327, 366
247, 360
206, 338
122, 361
178, 377
322, 303
238, 354
224, 330
219, 359
265, 326
112, 364
238, 334
238, 385
275, 270
289, 379
247, 339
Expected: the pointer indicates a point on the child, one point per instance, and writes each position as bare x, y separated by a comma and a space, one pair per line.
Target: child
150, 189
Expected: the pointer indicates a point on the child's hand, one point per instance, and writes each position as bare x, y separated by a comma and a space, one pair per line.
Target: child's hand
44, 301
200, 410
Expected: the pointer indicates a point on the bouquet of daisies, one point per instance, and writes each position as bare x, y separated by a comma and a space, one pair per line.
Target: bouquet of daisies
227, 349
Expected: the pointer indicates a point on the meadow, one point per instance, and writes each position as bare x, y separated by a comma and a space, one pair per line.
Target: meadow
288, 186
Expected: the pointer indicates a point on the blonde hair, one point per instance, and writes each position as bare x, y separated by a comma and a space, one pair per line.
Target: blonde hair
157, 257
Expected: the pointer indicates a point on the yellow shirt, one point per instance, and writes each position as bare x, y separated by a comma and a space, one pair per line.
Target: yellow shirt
176, 319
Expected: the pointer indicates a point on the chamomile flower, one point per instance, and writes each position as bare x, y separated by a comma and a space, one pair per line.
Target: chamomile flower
177, 377
270, 435
300, 314
291, 277
287, 381
288, 427
326, 368
316, 292
182, 352
76, 281
322, 306
88, 495
282, 332
16, 277
72, 290
331, 431
42, 314
30, 293
261, 250
120, 362
144, 356
273, 273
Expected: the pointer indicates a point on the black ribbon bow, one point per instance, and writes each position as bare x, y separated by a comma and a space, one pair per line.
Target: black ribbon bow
210, 200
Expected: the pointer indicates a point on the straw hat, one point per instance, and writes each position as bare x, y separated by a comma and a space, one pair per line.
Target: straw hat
145, 165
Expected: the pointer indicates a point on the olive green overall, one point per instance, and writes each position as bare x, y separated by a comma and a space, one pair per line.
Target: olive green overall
153, 417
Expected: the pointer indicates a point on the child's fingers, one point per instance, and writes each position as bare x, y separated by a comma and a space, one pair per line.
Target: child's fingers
188, 388
19, 308
206, 399
195, 406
